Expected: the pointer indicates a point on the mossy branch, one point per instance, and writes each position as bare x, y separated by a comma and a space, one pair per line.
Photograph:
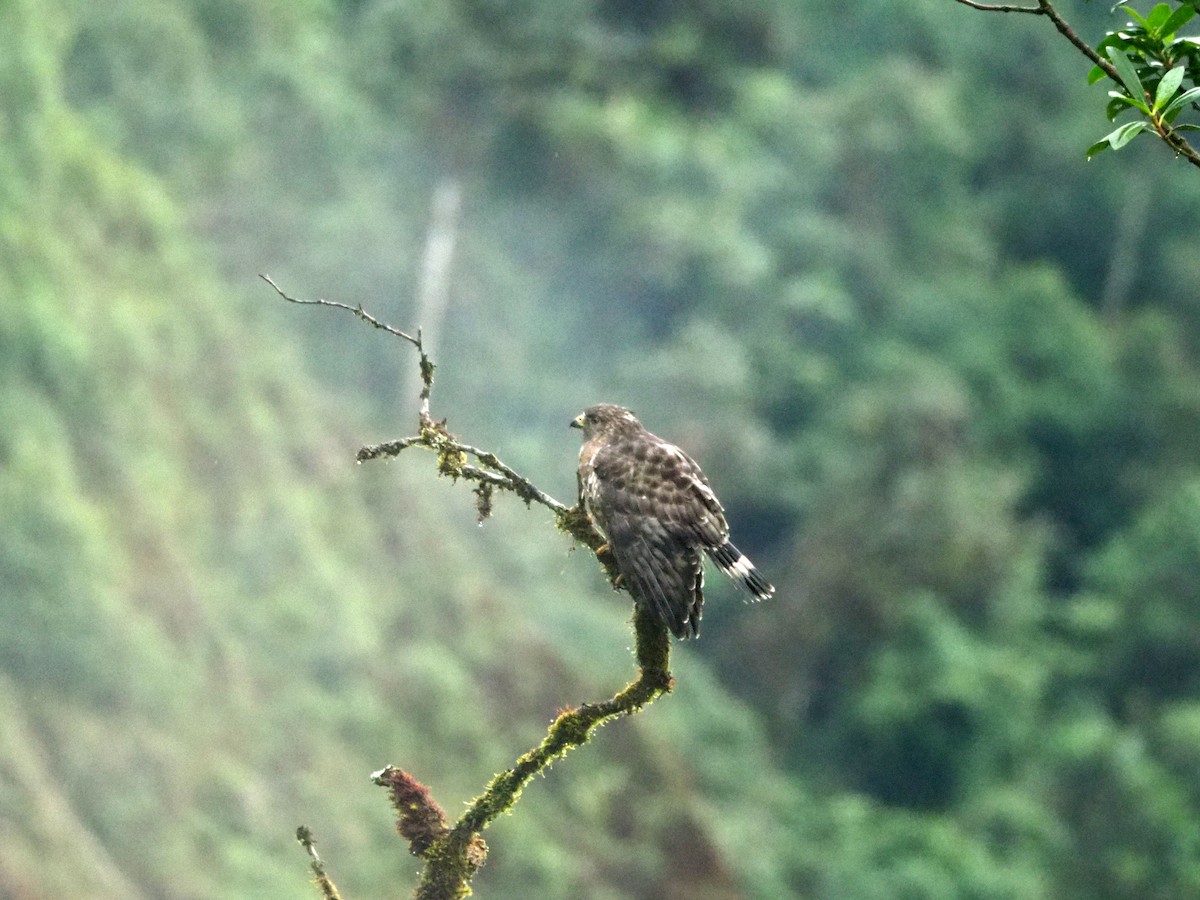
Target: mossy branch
454, 853
324, 884
574, 727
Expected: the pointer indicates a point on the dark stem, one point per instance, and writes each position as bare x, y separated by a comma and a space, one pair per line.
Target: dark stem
1163, 129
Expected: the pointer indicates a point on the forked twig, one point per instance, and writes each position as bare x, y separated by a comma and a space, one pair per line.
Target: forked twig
454, 853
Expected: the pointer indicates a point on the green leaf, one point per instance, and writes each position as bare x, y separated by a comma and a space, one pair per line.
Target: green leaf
1167, 86
1136, 15
1158, 16
1131, 102
1121, 102
1117, 105
1095, 75
1191, 95
1126, 133
1127, 73
1177, 20
1118, 138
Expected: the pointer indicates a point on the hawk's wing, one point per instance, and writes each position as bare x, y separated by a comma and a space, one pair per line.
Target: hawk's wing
658, 514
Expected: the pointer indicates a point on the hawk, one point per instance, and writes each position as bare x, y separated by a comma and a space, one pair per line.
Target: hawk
654, 508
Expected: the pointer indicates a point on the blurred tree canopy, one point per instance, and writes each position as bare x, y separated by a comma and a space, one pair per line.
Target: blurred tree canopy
944, 371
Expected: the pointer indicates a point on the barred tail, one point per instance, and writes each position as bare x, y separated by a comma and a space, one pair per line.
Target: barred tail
737, 566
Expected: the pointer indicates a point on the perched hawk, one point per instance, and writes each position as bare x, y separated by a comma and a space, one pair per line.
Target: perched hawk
655, 509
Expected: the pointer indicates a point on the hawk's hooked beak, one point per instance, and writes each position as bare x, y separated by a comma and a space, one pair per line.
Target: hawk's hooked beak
577, 422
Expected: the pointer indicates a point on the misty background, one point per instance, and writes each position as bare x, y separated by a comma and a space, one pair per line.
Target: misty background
942, 372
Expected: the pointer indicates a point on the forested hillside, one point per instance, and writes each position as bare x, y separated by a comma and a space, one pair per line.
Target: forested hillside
944, 373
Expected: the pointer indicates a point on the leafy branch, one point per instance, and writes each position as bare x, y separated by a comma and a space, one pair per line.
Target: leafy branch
454, 853
1148, 62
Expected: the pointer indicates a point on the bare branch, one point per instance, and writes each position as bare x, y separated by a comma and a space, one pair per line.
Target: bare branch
357, 310
434, 435
454, 853
988, 7
1046, 8
328, 890
495, 471
426, 364
1079, 43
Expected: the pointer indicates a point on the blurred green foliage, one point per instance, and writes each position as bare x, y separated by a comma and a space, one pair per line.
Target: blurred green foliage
943, 373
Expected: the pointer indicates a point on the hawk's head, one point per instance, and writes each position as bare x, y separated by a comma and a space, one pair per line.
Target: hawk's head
606, 420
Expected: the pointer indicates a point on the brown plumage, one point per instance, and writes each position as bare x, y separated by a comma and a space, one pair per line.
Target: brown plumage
655, 509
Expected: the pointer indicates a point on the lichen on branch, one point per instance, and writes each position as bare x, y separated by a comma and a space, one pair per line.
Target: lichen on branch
454, 853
